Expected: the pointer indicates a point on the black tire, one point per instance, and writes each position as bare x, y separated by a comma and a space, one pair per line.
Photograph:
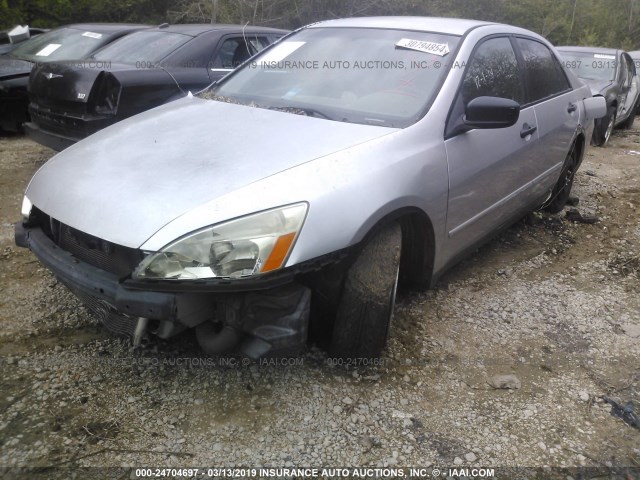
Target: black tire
368, 297
604, 127
326, 287
562, 189
628, 123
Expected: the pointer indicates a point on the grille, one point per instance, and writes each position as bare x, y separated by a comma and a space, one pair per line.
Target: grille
112, 320
99, 253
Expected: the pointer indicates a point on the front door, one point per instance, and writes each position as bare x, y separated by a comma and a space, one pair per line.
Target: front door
488, 167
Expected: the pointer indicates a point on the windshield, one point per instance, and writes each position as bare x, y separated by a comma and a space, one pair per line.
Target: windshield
358, 75
593, 66
142, 47
59, 44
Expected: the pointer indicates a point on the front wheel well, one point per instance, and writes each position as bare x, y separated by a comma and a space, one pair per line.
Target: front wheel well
416, 259
416, 268
418, 245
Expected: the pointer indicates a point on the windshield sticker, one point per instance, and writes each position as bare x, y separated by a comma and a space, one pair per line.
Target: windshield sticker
92, 35
440, 49
608, 57
280, 52
48, 50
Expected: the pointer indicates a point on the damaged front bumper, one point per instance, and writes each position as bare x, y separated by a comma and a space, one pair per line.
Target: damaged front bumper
269, 319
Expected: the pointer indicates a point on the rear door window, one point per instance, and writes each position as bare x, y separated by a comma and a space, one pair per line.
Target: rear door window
543, 72
143, 49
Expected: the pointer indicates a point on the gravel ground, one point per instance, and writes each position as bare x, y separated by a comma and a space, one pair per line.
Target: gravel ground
550, 308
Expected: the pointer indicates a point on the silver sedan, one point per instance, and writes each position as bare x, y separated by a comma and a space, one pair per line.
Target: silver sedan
290, 199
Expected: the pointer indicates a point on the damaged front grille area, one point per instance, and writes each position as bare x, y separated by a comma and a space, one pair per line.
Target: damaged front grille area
113, 320
94, 251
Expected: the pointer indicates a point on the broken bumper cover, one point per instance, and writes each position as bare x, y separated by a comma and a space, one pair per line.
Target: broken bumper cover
56, 141
59, 131
272, 318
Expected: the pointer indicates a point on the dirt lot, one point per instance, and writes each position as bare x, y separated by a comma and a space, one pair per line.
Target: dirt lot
552, 302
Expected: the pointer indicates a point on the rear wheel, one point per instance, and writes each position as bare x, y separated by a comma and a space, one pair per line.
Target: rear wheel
562, 189
604, 127
368, 298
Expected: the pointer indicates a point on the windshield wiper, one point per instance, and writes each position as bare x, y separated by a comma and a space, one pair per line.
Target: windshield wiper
211, 95
309, 112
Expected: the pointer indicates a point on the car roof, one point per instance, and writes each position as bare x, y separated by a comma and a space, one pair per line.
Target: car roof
605, 51
105, 27
194, 29
455, 26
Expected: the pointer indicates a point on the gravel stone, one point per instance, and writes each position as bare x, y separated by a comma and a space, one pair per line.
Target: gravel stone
505, 382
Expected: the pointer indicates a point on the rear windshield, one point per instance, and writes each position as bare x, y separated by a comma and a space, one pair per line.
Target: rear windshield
60, 44
592, 66
142, 47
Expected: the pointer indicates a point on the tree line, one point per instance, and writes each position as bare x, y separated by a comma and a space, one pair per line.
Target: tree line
601, 23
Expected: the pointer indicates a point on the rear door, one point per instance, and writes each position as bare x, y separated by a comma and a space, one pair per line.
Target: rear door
556, 107
487, 168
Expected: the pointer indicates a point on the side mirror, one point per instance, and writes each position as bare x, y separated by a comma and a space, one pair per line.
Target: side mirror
491, 112
595, 107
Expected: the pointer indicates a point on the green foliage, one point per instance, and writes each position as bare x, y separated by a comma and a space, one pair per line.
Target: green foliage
52, 13
614, 23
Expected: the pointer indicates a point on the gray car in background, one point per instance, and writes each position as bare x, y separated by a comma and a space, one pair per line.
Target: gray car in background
611, 74
298, 192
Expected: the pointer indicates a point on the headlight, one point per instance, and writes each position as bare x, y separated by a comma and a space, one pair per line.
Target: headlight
26, 208
246, 246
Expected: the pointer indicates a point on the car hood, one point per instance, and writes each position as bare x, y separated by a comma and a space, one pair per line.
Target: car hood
127, 181
11, 67
598, 87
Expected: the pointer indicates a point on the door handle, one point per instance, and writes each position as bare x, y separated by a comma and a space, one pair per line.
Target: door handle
527, 130
572, 107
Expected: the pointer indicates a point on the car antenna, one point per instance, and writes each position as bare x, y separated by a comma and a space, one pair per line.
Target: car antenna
246, 41
174, 79
166, 25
